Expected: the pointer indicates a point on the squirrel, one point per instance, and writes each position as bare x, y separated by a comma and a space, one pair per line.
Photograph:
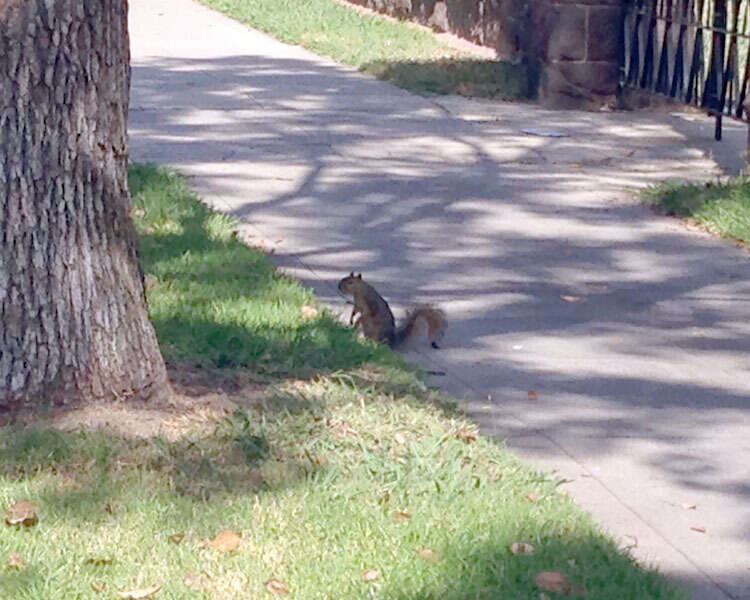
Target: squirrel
376, 318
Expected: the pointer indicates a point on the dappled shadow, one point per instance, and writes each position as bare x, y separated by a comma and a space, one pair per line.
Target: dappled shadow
194, 268
633, 333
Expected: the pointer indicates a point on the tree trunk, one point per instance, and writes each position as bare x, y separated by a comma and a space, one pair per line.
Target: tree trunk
73, 319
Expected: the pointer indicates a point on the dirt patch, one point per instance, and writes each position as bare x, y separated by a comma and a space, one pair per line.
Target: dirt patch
201, 396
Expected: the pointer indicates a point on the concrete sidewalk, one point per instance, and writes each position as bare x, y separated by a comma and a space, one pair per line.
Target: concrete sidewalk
633, 332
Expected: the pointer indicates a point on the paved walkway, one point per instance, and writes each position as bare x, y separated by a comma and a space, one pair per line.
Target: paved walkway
633, 332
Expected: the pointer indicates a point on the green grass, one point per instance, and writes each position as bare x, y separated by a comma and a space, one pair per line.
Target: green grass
310, 472
723, 208
408, 56
216, 302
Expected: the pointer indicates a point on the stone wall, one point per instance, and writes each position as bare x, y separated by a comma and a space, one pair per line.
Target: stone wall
571, 47
579, 45
497, 24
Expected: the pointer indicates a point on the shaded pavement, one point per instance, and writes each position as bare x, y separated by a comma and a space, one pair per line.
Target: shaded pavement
632, 331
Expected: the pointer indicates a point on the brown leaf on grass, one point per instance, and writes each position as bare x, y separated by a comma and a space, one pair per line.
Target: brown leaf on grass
256, 477
320, 460
429, 554
521, 548
341, 428
370, 574
554, 581
99, 561
698, 528
465, 88
531, 497
466, 435
23, 512
402, 516
225, 541
140, 593
308, 312
150, 281
98, 586
177, 537
16, 562
195, 580
276, 586
401, 437
532, 395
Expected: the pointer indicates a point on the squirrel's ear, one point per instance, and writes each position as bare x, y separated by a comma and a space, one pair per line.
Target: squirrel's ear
351, 274
359, 276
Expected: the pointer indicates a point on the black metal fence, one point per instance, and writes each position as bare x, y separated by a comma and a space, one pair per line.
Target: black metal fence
695, 51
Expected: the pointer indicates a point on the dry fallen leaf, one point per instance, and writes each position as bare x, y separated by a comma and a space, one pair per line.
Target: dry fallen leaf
370, 574
99, 561
464, 88
195, 580
256, 477
521, 548
308, 312
176, 538
276, 586
139, 593
467, 435
98, 586
341, 428
531, 497
15, 561
554, 581
429, 554
698, 528
532, 395
401, 437
402, 516
225, 541
150, 281
23, 512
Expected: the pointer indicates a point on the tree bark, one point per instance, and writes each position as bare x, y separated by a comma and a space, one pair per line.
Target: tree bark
73, 318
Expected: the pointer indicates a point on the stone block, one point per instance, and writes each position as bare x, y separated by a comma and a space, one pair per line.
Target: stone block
567, 38
601, 78
605, 33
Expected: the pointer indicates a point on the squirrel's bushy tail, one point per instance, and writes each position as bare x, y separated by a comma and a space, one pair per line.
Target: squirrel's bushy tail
419, 318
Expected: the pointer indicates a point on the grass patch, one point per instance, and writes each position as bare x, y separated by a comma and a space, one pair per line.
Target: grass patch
355, 468
723, 208
218, 303
399, 52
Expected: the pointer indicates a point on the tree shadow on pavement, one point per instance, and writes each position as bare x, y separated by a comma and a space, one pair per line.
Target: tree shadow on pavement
519, 221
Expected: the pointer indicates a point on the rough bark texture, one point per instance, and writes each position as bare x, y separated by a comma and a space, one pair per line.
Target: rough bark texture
72, 311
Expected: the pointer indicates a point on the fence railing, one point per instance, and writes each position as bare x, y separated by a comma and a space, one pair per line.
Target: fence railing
695, 51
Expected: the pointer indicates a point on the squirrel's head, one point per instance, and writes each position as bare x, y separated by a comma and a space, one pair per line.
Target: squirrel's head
347, 281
